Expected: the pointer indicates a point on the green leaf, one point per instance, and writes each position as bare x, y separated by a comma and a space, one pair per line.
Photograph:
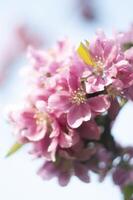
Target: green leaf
127, 46
128, 192
15, 147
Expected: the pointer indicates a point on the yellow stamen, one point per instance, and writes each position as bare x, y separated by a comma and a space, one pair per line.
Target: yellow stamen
40, 117
84, 54
78, 97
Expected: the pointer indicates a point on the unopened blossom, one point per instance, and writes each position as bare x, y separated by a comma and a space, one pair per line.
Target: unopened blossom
69, 163
64, 171
90, 130
123, 176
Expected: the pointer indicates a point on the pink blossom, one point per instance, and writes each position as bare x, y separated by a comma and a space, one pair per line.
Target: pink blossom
75, 103
45, 132
106, 55
29, 123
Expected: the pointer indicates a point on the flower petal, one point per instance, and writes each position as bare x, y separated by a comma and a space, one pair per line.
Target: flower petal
52, 148
73, 81
64, 178
68, 140
47, 171
34, 136
82, 173
78, 114
59, 101
99, 103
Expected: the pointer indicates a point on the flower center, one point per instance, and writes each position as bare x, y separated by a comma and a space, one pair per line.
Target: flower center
40, 117
99, 66
78, 96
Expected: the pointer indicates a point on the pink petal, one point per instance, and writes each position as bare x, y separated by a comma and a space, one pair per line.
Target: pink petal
78, 114
30, 130
55, 129
73, 81
99, 103
65, 140
64, 178
52, 148
96, 48
45, 148
59, 101
82, 173
47, 171
40, 148
94, 84
112, 55
68, 140
34, 136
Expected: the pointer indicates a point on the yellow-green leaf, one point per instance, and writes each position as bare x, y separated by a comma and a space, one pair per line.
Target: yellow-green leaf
84, 54
14, 148
128, 192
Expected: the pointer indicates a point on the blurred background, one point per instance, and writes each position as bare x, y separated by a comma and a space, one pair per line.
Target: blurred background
41, 23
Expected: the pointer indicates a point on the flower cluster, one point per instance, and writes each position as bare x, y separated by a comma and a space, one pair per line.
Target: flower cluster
75, 96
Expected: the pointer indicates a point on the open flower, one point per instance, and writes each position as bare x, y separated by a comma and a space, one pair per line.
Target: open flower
44, 131
101, 55
58, 136
29, 123
75, 103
